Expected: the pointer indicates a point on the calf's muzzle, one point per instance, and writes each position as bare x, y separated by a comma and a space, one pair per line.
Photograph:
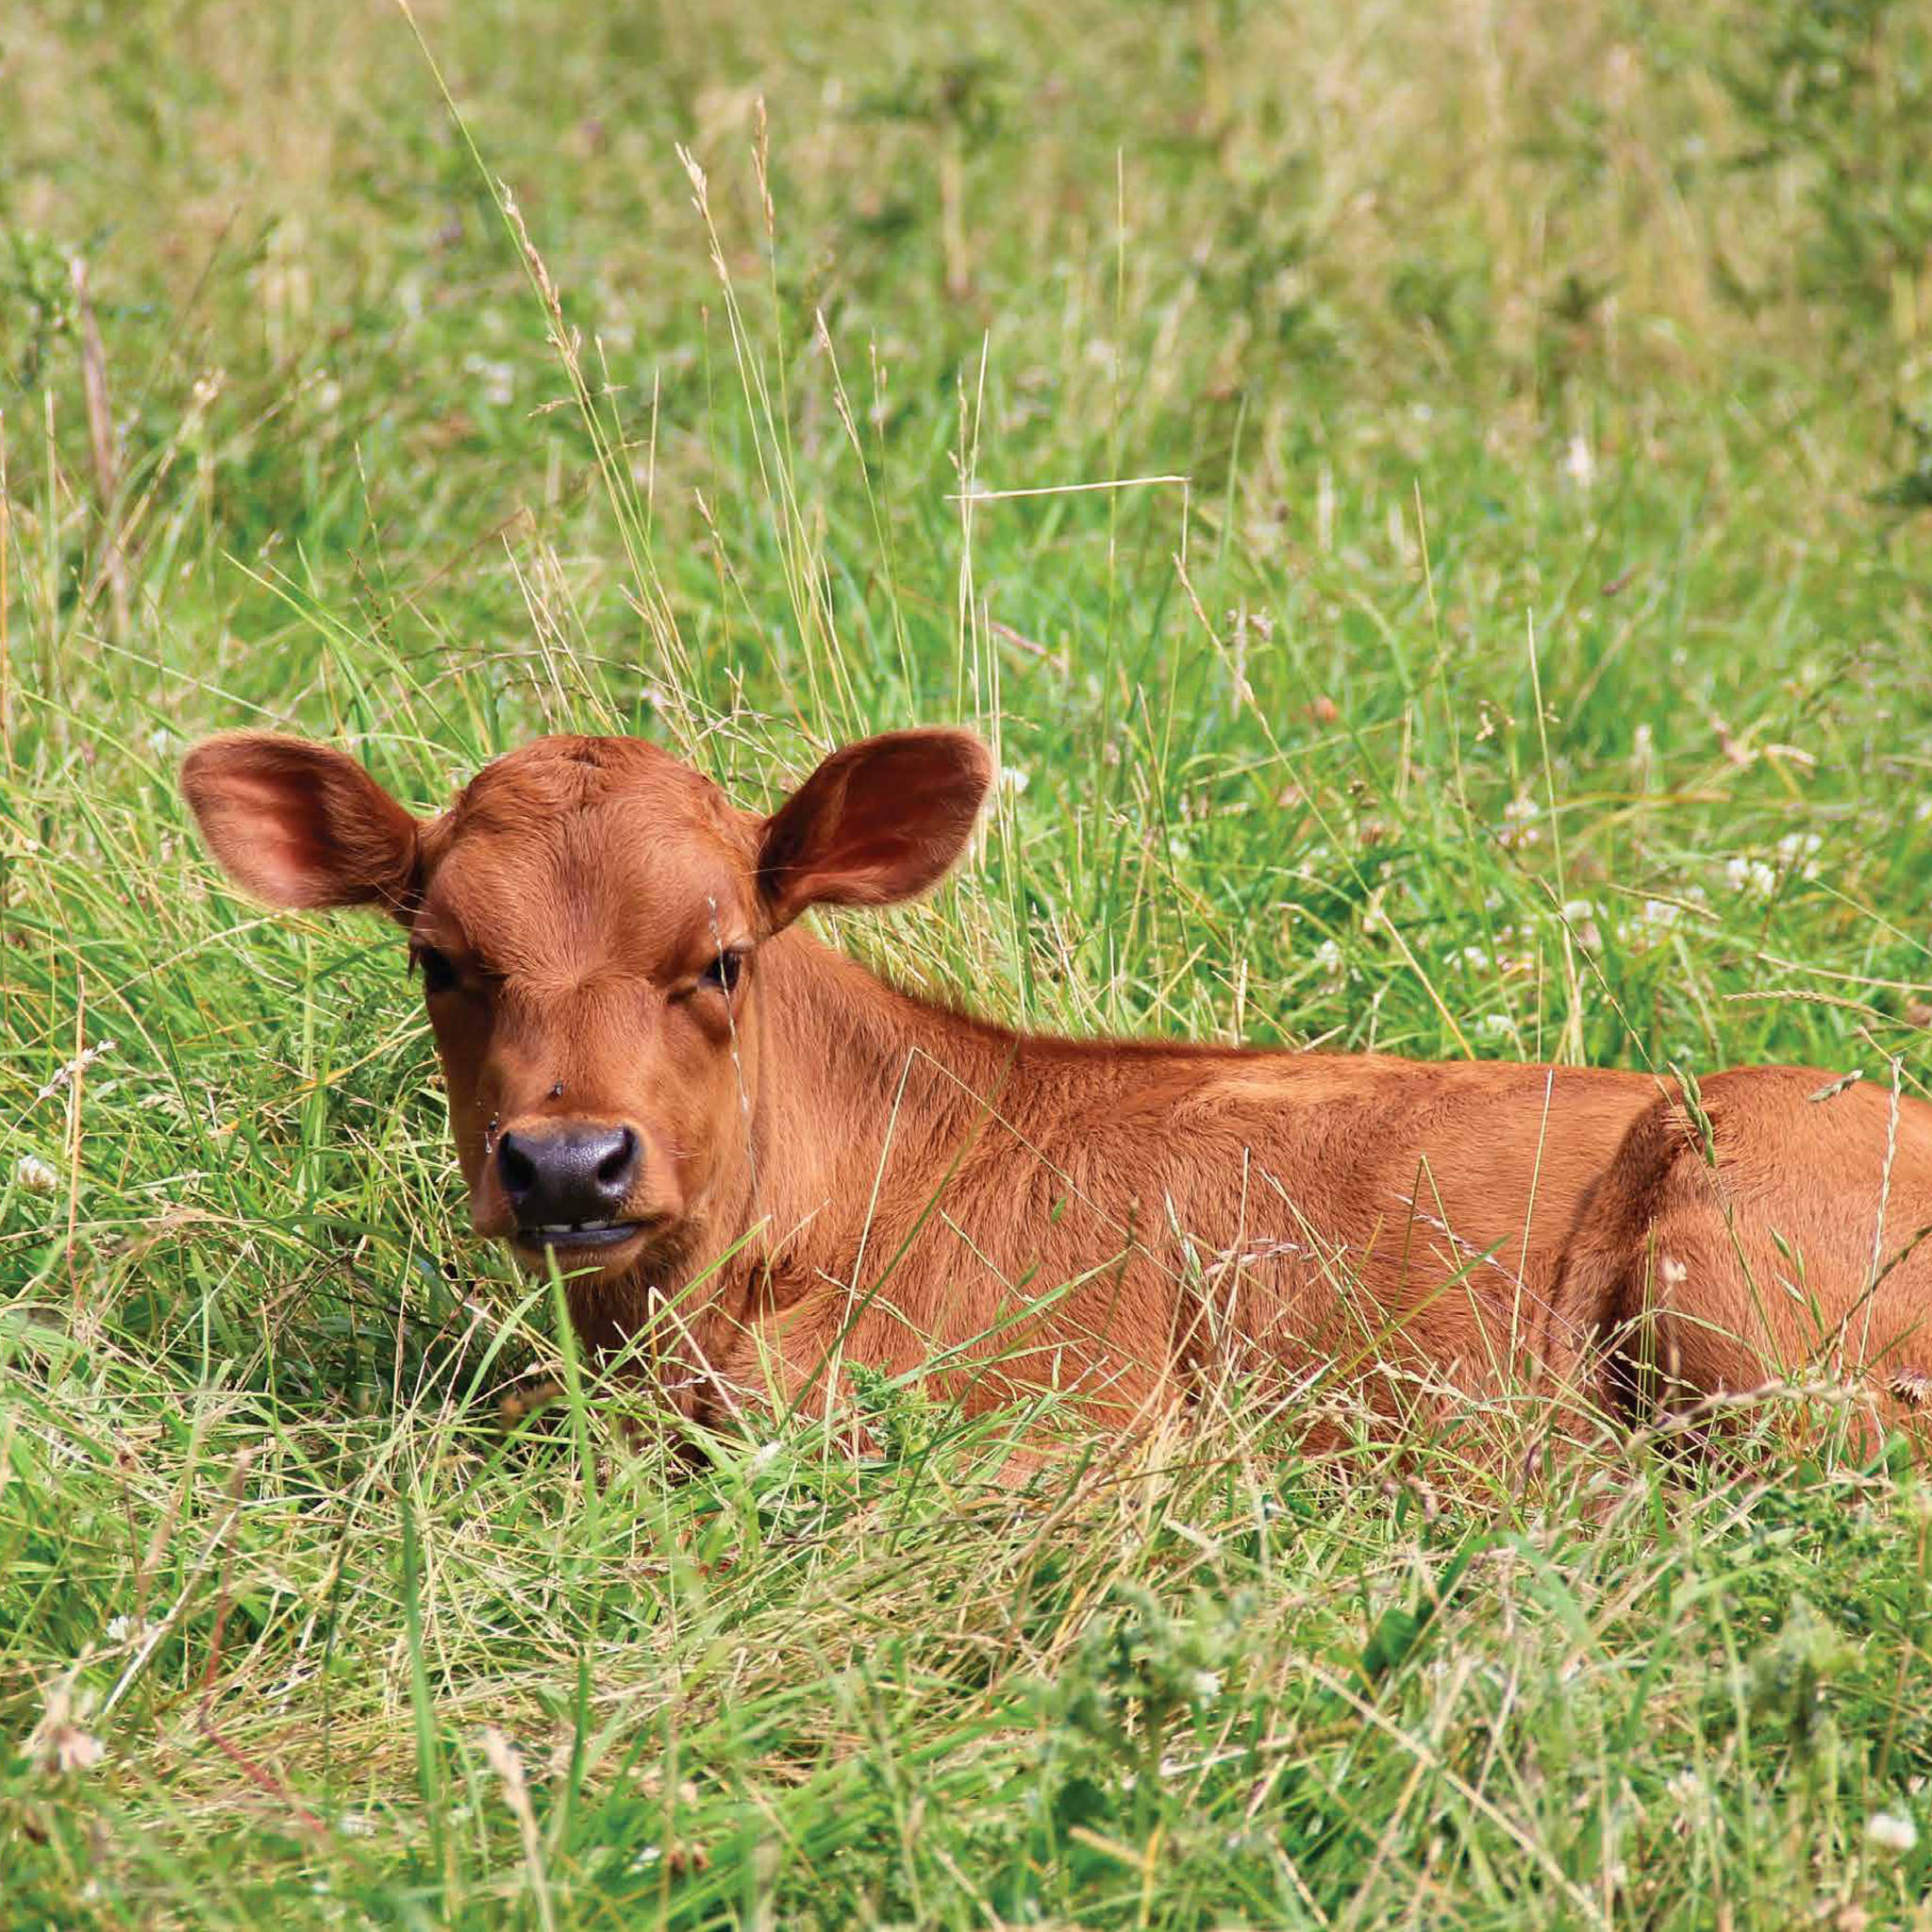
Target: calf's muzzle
567, 1181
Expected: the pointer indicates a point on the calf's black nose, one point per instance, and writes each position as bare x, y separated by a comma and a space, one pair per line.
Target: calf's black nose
563, 1176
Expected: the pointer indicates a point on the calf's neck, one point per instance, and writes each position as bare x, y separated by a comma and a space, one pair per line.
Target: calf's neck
758, 1162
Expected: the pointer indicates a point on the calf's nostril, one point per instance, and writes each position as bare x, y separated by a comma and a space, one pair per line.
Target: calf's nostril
614, 1171
519, 1170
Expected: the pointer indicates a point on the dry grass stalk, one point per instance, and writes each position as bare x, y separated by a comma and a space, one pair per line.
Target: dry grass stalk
100, 430
508, 1767
6, 607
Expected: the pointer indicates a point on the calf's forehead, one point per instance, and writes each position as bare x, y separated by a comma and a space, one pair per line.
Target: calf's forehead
575, 855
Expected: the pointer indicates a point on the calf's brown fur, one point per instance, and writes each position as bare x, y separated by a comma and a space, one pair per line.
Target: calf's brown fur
805, 1165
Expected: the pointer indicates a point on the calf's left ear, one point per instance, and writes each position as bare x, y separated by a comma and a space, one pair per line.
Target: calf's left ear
878, 822
297, 823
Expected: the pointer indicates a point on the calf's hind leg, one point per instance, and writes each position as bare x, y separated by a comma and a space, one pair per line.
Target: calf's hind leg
1764, 1238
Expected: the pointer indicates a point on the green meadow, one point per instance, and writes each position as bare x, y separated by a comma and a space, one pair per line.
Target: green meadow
1429, 504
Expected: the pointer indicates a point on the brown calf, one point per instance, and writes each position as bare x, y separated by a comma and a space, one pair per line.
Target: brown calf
753, 1159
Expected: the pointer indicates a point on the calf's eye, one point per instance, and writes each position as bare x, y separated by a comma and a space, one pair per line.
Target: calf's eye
723, 971
438, 975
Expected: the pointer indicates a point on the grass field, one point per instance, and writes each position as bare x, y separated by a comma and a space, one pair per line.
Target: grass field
1473, 600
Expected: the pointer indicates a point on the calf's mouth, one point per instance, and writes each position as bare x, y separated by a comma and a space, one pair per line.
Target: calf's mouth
567, 1236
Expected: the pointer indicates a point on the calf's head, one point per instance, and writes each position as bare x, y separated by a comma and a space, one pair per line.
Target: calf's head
587, 919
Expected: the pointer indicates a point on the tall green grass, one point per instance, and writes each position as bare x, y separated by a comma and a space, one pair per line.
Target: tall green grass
1428, 504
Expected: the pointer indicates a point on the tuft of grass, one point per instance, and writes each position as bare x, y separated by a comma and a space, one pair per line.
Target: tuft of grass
1424, 503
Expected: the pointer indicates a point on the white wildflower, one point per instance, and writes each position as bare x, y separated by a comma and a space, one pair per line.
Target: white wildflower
35, 1175
499, 379
1750, 876
1685, 1790
1013, 779
1889, 1832
1497, 1025
762, 1458
72, 1749
79, 1064
1794, 853
1205, 1685
58, 1744
1519, 821
1328, 958
1580, 463
1579, 915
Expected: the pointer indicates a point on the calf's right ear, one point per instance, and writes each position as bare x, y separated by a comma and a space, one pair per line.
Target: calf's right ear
300, 824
